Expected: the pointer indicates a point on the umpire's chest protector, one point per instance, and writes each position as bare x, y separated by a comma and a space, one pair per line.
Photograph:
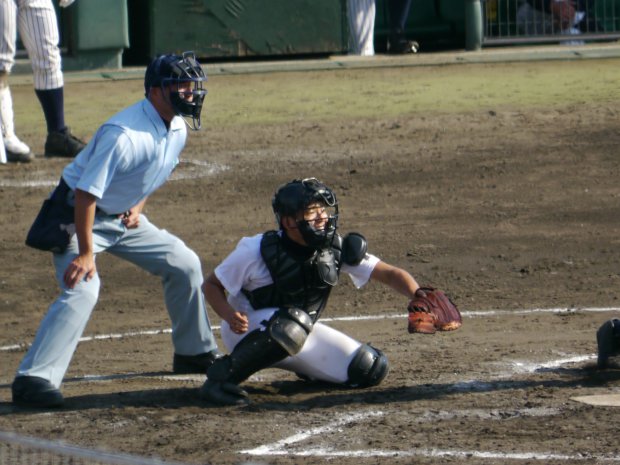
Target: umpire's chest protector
300, 283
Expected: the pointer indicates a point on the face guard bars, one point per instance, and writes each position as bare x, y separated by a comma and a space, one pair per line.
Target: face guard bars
187, 103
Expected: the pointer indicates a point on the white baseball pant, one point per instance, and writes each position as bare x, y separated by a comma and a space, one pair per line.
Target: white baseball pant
325, 356
361, 26
38, 29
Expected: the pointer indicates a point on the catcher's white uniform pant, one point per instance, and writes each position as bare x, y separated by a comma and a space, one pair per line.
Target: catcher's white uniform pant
38, 29
152, 249
325, 356
361, 15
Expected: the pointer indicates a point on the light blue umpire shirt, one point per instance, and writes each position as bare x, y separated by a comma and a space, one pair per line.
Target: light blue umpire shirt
130, 156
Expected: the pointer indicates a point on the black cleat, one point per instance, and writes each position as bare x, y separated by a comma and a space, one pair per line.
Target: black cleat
15, 157
189, 364
403, 46
224, 393
32, 391
608, 341
63, 144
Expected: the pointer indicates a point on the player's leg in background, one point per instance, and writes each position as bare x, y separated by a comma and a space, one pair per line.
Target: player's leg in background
14, 149
8, 35
361, 14
38, 28
398, 13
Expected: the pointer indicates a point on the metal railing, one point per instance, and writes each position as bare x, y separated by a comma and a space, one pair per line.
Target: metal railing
540, 21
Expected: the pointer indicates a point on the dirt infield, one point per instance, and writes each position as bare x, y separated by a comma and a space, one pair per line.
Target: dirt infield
512, 208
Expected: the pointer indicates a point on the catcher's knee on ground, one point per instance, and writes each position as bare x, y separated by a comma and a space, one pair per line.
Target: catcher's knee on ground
285, 335
368, 368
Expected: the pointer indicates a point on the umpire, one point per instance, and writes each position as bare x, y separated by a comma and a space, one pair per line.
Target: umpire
103, 192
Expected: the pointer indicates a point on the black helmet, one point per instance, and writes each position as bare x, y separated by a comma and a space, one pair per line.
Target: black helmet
172, 70
296, 196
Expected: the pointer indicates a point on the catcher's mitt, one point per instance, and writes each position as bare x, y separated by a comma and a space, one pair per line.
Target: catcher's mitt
431, 310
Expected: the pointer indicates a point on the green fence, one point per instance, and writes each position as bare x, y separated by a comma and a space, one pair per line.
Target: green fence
245, 28
251, 28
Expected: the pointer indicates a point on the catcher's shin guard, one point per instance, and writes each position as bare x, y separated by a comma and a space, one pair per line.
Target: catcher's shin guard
256, 351
368, 368
290, 327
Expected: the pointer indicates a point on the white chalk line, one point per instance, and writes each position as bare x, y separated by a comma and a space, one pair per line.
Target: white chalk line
141, 375
465, 314
437, 453
427, 416
279, 446
188, 169
284, 447
529, 367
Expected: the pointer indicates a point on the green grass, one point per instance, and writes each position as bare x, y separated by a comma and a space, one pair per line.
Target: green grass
360, 93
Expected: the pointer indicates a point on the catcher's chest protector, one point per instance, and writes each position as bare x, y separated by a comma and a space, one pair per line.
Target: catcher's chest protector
303, 284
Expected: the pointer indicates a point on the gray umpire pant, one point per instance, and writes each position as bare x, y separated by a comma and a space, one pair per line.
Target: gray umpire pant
152, 249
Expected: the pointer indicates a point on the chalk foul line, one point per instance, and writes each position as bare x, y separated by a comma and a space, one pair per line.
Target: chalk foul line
285, 447
465, 314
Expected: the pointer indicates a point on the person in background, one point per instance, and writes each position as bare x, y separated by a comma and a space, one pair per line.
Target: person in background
362, 15
38, 30
15, 150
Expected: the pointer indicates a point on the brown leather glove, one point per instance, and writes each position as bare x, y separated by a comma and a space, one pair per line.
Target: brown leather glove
431, 310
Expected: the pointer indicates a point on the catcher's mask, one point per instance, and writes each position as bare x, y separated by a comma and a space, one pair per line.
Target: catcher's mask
172, 71
295, 197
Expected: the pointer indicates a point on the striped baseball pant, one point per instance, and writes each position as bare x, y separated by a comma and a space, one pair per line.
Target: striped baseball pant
38, 30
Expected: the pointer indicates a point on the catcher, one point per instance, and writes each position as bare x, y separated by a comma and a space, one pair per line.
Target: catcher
271, 290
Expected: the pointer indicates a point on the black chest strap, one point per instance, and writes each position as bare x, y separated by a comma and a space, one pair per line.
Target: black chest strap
303, 283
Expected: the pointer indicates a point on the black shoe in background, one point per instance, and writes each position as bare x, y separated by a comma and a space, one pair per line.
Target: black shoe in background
14, 157
63, 144
402, 46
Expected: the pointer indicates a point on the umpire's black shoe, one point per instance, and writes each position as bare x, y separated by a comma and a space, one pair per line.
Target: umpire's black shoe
188, 364
63, 144
223, 393
32, 391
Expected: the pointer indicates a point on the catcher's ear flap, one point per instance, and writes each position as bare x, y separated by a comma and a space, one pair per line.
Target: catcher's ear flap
354, 248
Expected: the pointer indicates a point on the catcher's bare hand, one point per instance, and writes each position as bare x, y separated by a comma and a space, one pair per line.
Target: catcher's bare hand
238, 322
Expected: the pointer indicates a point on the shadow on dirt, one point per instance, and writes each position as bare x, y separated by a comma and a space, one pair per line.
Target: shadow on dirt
304, 395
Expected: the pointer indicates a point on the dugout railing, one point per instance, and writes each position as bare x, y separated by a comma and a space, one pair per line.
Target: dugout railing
549, 21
